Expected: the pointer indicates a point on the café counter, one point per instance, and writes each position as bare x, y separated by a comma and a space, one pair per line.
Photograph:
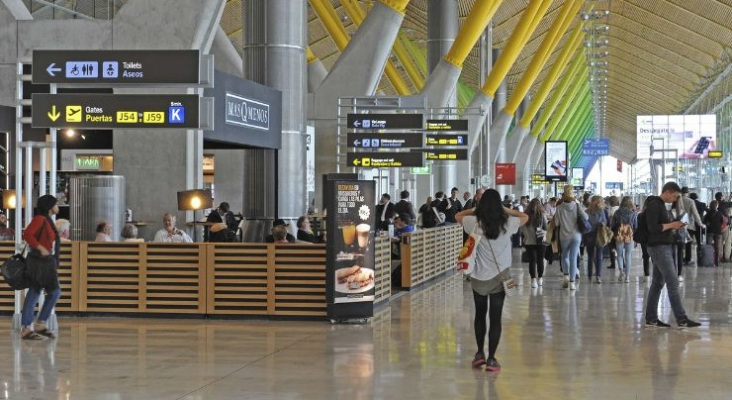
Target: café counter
233, 279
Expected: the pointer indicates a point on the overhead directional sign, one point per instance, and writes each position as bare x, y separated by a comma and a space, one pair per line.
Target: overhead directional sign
113, 67
385, 160
115, 111
385, 140
447, 140
385, 121
596, 147
458, 125
447, 154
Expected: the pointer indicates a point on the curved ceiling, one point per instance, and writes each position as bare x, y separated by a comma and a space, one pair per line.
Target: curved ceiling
662, 54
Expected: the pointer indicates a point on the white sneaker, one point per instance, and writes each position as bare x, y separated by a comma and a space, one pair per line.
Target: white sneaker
627, 279
541, 281
565, 284
620, 277
533, 283
571, 286
681, 278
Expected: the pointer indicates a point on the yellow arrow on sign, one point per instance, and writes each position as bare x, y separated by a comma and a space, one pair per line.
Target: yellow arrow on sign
53, 115
356, 162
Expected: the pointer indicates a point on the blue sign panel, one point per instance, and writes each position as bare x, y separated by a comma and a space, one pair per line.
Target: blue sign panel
596, 147
614, 185
176, 115
82, 69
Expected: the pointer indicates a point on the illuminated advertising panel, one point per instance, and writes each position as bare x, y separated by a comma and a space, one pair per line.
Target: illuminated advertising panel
555, 161
680, 136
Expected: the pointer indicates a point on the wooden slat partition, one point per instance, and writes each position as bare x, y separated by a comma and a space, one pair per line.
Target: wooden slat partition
7, 295
427, 253
175, 278
382, 273
68, 277
143, 277
238, 279
299, 286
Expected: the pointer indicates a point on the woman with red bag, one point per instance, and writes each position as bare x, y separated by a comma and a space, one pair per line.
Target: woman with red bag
43, 260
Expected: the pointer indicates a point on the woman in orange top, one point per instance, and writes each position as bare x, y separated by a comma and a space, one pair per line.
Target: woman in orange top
42, 237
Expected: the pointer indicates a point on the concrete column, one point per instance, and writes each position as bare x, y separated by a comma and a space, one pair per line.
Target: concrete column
365, 58
274, 55
442, 28
157, 164
496, 153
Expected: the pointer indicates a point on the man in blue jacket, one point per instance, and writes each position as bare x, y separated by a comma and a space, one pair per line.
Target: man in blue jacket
661, 226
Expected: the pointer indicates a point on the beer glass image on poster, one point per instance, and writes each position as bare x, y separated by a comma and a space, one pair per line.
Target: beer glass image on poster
354, 244
555, 161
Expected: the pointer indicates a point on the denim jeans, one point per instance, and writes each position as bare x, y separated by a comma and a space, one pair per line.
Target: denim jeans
570, 250
29, 306
594, 258
664, 274
625, 252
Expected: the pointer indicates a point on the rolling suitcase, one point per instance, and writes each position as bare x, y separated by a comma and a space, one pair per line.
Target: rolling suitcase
704, 252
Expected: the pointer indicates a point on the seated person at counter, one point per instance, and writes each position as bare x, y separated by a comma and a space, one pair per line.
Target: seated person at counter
129, 234
279, 234
104, 229
305, 233
402, 224
171, 234
226, 217
5, 232
63, 226
279, 222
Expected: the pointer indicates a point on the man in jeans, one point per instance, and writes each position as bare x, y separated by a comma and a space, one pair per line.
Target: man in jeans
661, 226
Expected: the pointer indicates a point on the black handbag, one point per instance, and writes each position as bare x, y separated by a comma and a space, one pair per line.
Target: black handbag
41, 271
14, 272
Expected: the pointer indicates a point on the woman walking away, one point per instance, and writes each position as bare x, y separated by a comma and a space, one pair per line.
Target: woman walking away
713, 220
597, 218
569, 236
43, 239
625, 222
492, 266
533, 233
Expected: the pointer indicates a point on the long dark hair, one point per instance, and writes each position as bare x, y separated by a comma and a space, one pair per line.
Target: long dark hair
490, 214
535, 211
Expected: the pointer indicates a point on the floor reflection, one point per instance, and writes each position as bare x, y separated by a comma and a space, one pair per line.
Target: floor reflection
556, 344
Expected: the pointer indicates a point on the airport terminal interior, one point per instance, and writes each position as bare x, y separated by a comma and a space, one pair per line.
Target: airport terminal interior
265, 199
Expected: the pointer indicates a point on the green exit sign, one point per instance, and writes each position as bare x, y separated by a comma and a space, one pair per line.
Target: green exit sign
426, 170
89, 163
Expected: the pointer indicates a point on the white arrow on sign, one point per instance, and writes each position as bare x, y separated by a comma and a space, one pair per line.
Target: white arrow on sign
356, 124
52, 68
356, 143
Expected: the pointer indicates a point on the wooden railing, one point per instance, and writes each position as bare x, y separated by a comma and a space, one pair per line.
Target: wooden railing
428, 253
253, 279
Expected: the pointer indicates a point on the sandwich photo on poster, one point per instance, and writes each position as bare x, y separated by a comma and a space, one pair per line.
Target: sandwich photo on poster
555, 161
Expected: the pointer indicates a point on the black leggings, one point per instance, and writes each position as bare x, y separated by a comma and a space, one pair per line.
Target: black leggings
646, 260
481, 309
536, 259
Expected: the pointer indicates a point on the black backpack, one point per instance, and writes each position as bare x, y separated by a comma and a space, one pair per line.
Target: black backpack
429, 219
641, 234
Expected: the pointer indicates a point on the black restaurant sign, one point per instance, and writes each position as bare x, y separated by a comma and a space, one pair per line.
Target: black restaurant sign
247, 113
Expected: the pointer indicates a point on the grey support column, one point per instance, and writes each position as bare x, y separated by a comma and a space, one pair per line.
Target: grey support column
274, 55
442, 28
364, 58
497, 154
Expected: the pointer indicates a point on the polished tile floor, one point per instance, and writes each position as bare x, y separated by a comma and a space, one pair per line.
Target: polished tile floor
556, 345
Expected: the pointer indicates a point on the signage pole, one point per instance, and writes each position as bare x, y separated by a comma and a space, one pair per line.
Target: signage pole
54, 152
16, 324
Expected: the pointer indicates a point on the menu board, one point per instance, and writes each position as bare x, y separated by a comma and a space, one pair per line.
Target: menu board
350, 249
